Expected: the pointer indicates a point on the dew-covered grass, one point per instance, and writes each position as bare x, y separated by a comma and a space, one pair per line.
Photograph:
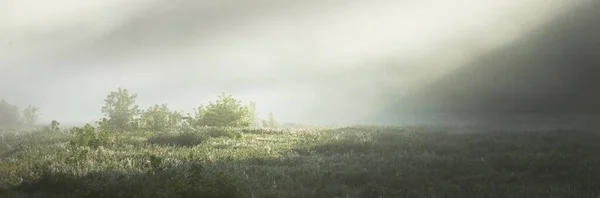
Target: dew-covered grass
359, 161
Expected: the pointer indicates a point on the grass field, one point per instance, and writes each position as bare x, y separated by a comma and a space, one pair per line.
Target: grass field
362, 161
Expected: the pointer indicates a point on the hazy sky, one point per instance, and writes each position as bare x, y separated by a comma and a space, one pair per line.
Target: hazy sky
325, 61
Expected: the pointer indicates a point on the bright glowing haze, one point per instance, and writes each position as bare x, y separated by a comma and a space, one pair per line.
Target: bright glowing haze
326, 61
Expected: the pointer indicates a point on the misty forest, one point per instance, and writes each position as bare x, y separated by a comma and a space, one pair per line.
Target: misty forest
331, 98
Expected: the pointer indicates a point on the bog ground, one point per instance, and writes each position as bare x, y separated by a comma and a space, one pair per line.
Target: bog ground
362, 161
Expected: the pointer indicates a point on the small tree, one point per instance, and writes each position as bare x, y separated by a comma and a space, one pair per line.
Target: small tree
226, 111
271, 122
30, 115
120, 109
252, 114
160, 118
88, 136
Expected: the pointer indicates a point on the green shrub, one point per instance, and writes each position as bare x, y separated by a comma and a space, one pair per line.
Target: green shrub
89, 137
160, 118
225, 112
154, 164
9, 172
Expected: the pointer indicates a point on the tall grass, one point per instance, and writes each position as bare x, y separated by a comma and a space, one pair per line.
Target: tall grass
360, 161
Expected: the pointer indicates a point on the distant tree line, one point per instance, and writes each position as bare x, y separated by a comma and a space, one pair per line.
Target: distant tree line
121, 113
12, 117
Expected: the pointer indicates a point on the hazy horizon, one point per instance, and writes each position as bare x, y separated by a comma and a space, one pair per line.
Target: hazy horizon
317, 62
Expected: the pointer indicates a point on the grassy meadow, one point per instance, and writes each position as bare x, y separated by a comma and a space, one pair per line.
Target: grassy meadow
359, 161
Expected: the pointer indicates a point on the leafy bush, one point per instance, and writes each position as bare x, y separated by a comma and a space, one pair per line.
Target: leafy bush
89, 137
225, 112
9, 172
160, 118
154, 164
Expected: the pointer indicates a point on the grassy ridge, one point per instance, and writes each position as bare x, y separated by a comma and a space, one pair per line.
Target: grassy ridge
327, 162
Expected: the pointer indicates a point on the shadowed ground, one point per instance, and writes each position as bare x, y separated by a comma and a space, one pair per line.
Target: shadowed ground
337, 162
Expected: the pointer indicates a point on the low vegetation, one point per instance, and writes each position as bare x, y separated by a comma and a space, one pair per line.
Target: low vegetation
326, 162
220, 150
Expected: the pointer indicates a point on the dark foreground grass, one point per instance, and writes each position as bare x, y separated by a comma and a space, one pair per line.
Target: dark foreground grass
335, 162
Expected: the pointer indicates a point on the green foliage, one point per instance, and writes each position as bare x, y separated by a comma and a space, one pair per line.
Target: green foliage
194, 119
225, 112
120, 109
154, 164
160, 118
9, 174
199, 114
88, 136
30, 115
136, 124
316, 162
9, 115
77, 156
103, 124
199, 184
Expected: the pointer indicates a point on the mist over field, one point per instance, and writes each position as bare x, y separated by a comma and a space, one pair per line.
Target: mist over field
317, 62
272, 98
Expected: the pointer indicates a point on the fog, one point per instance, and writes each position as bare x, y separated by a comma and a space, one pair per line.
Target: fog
321, 62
